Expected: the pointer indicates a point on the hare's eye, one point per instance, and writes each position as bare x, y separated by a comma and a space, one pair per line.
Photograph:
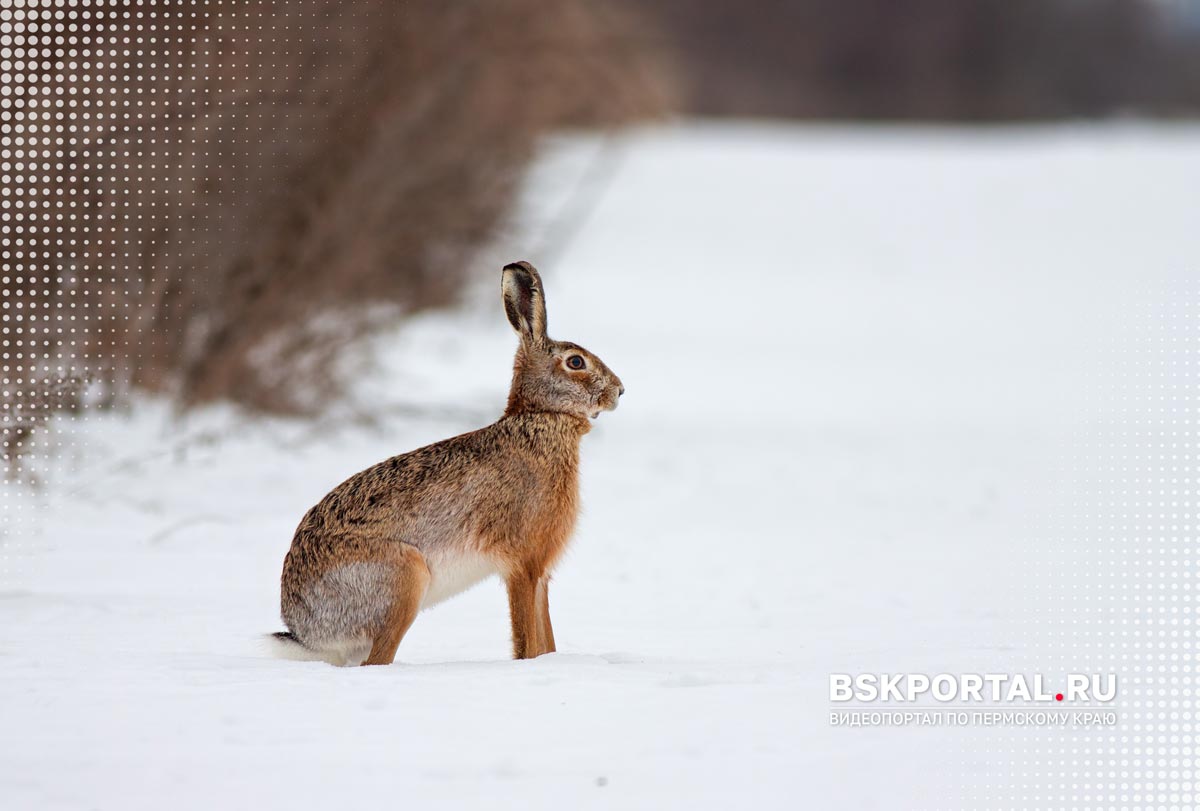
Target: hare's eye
576, 362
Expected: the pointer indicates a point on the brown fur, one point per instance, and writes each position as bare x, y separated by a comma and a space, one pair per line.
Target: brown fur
504, 498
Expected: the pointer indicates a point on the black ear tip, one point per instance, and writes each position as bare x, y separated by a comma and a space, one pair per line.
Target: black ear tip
522, 265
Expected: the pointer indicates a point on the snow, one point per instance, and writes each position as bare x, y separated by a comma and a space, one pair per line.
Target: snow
852, 358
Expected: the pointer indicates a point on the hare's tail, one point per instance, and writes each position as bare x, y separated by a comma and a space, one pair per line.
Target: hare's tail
285, 645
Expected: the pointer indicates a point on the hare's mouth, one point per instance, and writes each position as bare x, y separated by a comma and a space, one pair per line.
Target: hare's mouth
606, 404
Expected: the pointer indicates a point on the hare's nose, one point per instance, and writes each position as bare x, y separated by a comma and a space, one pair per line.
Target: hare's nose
622, 391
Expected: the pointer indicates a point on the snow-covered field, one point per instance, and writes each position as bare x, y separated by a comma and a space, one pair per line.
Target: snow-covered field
852, 357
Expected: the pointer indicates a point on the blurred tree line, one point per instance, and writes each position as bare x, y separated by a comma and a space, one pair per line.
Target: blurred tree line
957, 60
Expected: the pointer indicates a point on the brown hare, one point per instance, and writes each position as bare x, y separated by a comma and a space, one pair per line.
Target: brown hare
424, 526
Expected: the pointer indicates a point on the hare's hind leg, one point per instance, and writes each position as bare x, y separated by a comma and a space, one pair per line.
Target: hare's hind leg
408, 590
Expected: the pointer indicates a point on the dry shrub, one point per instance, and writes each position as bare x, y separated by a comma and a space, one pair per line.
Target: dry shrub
251, 185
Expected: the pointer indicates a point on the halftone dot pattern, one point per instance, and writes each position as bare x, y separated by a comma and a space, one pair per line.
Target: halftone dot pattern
134, 133
86, 144
1115, 591
1135, 502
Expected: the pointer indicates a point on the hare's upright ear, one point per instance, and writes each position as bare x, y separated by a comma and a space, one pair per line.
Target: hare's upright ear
524, 303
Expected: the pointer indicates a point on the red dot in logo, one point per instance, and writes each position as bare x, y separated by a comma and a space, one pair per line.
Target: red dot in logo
1058, 697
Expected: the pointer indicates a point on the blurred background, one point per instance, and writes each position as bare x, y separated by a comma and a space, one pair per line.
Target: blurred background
939, 60
352, 171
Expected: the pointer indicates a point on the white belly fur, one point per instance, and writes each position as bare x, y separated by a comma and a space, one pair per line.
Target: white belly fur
453, 574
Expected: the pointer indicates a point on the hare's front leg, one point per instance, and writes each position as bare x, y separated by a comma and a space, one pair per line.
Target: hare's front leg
528, 607
522, 609
546, 635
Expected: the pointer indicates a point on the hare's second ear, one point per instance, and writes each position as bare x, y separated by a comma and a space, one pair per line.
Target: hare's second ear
524, 303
